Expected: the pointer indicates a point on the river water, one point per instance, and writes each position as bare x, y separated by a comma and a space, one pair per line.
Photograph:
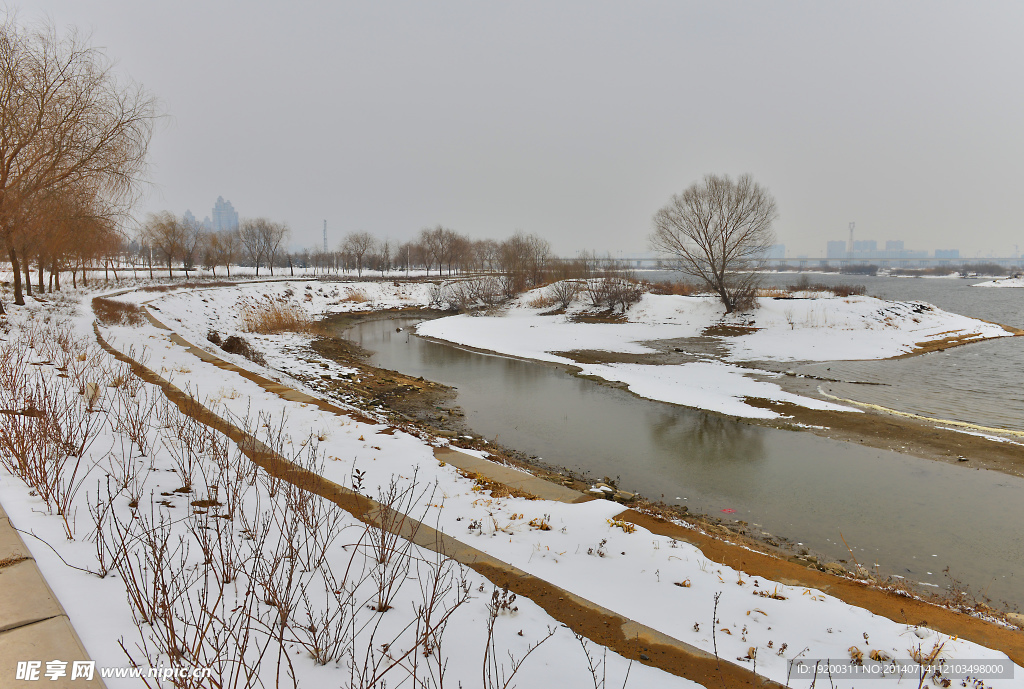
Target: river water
911, 517
981, 383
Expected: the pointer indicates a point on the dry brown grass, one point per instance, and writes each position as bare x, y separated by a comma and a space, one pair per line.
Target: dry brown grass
111, 312
271, 317
542, 301
356, 297
677, 288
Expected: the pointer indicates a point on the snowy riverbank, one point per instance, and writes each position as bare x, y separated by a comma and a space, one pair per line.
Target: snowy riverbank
1002, 282
667, 584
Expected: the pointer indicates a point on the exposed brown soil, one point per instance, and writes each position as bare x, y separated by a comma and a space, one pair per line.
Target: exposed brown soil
724, 330
415, 399
900, 434
599, 356
610, 316
955, 340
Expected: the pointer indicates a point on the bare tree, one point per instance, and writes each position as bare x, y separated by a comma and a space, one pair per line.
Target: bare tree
432, 243
193, 236
167, 235
385, 255
227, 248
719, 231
211, 251
250, 237
523, 259
358, 245
65, 118
272, 235
487, 251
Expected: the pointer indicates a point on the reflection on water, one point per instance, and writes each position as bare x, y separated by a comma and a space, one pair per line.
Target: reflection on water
912, 516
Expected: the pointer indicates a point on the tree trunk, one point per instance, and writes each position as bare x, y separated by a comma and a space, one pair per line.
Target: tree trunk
28, 278
42, 284
19, 298
55, 274
291, 269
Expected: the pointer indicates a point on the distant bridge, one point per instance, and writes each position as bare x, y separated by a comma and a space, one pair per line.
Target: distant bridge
647, 262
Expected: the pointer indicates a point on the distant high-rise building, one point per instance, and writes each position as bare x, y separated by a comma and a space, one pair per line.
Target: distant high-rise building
189, 218
865, 245
224, 215
947, 253
894, 245
836, 249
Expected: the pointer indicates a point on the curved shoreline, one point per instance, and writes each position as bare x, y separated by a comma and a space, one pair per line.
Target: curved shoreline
901, 432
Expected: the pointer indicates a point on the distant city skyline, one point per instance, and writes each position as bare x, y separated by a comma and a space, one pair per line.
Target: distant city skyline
223, 216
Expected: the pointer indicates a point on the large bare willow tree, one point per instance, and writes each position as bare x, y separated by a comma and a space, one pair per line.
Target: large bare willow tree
719, 231
66, 121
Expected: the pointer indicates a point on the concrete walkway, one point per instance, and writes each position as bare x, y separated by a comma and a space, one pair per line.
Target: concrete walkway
33, 625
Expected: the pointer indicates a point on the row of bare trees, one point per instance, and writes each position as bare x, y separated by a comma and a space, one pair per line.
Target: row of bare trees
73, 142
439, 249
171, 240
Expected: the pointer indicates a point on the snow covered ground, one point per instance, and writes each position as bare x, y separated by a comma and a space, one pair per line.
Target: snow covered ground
1002, 282
655, 580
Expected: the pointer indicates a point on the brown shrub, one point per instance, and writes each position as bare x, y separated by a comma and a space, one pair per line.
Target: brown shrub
112, 312
841, 290
847, 290
239, 345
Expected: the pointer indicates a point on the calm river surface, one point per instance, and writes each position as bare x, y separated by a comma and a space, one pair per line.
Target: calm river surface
981, 383
912, 517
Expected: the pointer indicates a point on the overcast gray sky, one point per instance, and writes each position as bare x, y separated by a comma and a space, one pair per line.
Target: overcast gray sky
577, 120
